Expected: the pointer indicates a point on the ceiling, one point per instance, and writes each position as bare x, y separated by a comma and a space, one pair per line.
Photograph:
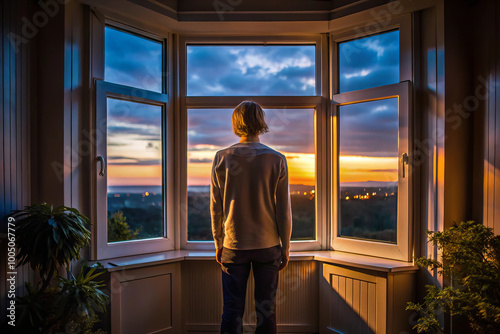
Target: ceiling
257, 10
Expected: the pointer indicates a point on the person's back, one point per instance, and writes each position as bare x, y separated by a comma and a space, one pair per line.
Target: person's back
251, 219
251, 176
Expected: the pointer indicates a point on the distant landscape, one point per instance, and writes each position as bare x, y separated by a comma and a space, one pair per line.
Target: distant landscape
142, 212
303, 212
368, 212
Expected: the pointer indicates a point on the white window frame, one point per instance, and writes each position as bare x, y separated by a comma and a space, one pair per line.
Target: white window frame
318, 103
101, 249
402, 249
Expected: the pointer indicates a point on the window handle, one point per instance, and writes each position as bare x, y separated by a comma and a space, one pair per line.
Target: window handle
100, 159
404, 161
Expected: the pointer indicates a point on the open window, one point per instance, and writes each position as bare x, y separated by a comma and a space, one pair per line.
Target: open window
132, 146
371, 143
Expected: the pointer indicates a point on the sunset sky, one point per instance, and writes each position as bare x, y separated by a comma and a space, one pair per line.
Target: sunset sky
368, 131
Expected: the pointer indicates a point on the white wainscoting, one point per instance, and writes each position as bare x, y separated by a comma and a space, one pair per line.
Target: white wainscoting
363, 301
146, 300
181, 292
297, 297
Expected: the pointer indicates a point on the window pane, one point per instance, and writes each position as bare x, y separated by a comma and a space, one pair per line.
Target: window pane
369, 62
368, 169
132, 60
134, 171
251, 70
291, 133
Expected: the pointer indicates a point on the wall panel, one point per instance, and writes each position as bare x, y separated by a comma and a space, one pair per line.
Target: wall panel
146, 300
487, 84
15, 102
296, 299
361, 301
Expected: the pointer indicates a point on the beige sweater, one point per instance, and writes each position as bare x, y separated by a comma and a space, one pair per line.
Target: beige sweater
250, 198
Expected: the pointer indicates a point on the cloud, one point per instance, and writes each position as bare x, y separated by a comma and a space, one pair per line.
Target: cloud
388, 170
132, 121
251, 70
291, 130
132, 60
128, 161
200, 161
369, 62
369, 128
365, 129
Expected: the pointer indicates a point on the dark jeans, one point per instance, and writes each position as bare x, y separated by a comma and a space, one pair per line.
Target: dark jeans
236, 265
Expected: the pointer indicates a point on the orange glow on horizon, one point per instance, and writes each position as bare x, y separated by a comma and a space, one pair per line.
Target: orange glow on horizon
362, 169
301, 169
128, 175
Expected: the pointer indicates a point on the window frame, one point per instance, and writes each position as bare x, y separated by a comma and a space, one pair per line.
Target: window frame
177, 104
317, 102
101, 249
402, 250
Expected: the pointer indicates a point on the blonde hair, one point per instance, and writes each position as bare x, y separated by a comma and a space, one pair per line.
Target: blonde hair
248, 119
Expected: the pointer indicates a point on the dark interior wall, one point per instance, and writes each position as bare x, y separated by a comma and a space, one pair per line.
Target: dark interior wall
486, 49
51, 175
459, 108
43, 111
16, 101
472, 109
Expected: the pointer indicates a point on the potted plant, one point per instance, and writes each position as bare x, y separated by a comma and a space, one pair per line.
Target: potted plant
47, 239
470, 263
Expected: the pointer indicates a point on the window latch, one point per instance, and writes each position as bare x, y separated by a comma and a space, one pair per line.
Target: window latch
404, 161
100, 159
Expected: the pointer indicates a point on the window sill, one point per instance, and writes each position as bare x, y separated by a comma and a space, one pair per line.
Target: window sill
331, 257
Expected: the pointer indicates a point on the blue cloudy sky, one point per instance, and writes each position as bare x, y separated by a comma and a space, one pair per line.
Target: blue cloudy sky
369, 62
367, 129
132, 60
251, 70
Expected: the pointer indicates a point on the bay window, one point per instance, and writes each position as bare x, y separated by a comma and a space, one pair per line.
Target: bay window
348, 151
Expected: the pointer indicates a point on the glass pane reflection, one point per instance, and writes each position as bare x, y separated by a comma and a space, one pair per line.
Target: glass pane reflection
134, 171
368, 169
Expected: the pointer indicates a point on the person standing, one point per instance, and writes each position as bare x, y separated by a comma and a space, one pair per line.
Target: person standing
251, 219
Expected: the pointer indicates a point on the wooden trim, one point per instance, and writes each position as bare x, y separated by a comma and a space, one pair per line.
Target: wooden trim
194, 102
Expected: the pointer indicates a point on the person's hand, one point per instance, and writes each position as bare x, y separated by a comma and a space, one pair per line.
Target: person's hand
284, 261
218, 255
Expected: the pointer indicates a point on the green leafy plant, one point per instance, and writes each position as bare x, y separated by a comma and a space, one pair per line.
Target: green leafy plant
471, 264
119, 229
48, 238
81, 295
